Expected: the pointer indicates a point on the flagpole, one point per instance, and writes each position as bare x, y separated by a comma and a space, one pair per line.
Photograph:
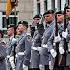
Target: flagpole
15, 30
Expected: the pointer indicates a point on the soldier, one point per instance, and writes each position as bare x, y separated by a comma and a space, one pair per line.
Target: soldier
66, 35
60, 21
2, 52
35, 23
47, 49
58, 40
36, 45
23, 48
36, 20
11, 47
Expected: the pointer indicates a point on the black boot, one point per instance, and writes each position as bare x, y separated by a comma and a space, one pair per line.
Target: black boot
47, 67
35, 69
61, 67
29, 69
66, 68
56, 68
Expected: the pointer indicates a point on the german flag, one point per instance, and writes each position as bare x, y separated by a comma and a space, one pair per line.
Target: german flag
9, 6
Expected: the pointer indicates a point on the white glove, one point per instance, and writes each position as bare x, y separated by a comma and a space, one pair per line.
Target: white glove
25, 67
45, 45
8, 56
69, 47
34, 48
35, 27
39, 48
50, 65
21, 53
14, 69
61, 50
64, 34
53, 53
54, 44
11, 60
41, 67
14, 40
57, 39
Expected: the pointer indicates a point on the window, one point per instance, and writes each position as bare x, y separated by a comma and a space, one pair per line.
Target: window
12, 13
59, 4
3, 0
38, 6
63, 2
53, 4
49, 4
11, 20
45, 5
68, 2
6, 0
56, 5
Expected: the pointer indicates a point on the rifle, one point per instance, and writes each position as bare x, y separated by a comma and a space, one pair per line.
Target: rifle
59, 57
32, 31
65, 26
56, 44
62, 59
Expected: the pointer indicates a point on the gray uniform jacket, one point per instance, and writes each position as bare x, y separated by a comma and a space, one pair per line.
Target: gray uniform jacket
45, 55
68, 42
35, 56
10, 51
23, 51
2, 56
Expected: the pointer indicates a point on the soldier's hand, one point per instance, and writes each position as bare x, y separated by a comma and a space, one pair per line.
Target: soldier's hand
64, 34
68, 47
14, 69
50, 65
11, 60
53, 53
8, 56
25, 67
61, 50
45, 45
57, 39
39, 48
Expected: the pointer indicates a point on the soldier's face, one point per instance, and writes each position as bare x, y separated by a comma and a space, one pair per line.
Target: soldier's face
36, 20
0, 35
18, 32
21, 28
49, 18
10, 31
60, 18
68, 13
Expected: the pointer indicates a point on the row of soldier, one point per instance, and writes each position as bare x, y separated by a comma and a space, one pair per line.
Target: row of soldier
45, 47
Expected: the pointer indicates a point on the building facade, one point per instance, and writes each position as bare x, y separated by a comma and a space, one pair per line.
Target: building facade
40, 6
24, 11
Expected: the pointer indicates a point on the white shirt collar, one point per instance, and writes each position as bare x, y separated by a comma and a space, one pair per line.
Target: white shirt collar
11, 37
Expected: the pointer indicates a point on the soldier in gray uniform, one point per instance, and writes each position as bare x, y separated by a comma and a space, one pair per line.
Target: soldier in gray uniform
66, 35
47, 51
36, 44
11, 44
34, 26
60, 27
60, 21
2, 52
23, 48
